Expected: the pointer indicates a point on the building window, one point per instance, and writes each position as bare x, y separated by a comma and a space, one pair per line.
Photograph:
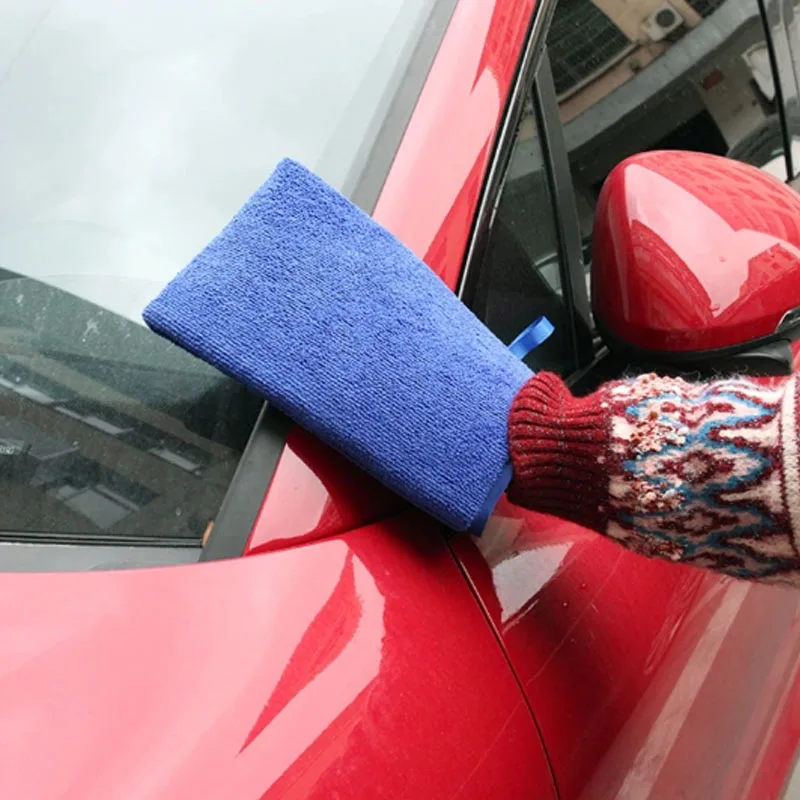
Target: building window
705, 7
582, 42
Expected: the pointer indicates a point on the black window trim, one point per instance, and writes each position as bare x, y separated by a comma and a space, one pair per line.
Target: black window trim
39, 556
504, 144
242, 502
787, 113
556, 159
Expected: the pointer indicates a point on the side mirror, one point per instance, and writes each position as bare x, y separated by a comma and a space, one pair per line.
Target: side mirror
696, 263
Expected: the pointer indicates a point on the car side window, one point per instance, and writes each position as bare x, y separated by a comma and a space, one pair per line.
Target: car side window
520, 277
636, 75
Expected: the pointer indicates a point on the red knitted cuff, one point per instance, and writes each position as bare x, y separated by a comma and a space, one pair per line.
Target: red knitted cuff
559, 446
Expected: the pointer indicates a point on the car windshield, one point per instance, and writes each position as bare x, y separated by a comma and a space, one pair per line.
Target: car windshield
130, 132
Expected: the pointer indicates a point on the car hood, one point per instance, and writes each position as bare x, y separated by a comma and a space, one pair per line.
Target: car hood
162, 682
294, 673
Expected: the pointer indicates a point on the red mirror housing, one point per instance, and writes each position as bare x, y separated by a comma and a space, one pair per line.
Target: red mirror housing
695, 255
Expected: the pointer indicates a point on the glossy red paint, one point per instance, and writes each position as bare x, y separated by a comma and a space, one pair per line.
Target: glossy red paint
355, 667
429, 201
647, 679
430, 196
315, 493
780, 747
694, 252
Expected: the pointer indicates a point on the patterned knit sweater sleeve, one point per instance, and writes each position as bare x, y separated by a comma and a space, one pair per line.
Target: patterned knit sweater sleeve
702, 473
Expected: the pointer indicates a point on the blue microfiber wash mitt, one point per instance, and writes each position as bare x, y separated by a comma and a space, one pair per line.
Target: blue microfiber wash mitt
308, 301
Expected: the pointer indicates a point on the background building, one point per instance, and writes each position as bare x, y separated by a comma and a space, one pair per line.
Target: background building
634, 75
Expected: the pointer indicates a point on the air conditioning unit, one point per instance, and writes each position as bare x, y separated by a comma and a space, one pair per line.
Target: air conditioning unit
663, 21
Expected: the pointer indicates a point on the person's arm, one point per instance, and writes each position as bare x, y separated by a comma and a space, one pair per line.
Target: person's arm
703, 473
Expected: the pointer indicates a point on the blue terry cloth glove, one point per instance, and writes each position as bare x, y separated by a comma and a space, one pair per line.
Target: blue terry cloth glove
309, 302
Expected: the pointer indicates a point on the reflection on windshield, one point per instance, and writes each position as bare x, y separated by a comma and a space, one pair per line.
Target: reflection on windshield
131, 132
104, 428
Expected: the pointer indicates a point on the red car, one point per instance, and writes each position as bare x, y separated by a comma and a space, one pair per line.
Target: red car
199, 599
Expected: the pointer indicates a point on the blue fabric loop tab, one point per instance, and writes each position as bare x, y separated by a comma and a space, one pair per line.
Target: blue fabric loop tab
535, 334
